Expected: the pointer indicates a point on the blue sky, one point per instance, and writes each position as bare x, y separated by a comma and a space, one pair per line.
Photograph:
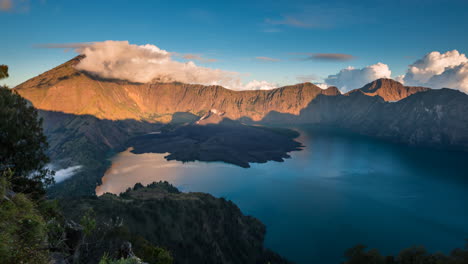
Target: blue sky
236, 32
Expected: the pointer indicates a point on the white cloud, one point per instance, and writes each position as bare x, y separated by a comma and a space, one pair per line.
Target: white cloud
259, 85
439, 70
146, 63
63, 174
400, 79
351, 78
322, 85
453, 77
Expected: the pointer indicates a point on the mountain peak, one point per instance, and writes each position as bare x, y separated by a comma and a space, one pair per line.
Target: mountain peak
382, 83
389, 89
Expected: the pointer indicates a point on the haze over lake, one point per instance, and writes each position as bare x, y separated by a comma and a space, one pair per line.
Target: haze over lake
339, 191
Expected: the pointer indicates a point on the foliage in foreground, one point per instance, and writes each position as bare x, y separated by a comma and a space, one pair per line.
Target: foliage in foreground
23, 145
22, 228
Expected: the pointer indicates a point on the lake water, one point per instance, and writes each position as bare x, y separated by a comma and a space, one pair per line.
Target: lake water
339, 191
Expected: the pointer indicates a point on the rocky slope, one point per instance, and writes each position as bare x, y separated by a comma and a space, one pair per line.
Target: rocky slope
67, 90
194, 227
390, 90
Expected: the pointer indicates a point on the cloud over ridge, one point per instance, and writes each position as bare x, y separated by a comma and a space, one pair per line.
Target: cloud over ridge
148, 63
439, 70
352, 78
145, 63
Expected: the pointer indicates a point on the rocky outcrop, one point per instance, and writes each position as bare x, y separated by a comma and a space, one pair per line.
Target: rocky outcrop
213, 116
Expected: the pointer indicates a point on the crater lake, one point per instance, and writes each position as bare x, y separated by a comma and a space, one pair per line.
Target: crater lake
339, 191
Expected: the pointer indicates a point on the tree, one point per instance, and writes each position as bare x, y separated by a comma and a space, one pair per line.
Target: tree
3, 71
22, 144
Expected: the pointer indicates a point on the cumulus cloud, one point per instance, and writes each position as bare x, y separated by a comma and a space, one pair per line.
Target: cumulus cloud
148, 63
439, 70
259, 85
453, 77
63, 174
266, 59
145, 63
351, 78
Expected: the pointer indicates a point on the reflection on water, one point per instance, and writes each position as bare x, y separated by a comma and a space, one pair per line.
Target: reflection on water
128, 168
339, 191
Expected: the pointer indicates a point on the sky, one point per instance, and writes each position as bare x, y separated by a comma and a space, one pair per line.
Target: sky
274, 42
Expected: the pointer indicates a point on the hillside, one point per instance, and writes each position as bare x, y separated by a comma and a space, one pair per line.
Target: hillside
194, 227
64, 89
435, 118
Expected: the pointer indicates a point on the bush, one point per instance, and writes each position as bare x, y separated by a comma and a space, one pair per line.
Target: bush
23, 230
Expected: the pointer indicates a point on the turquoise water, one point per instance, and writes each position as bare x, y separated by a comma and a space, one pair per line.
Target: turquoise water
339, 191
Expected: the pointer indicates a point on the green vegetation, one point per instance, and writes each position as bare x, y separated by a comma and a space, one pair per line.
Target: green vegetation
22, 227
33, 229
23, 178
194, 227
23, 145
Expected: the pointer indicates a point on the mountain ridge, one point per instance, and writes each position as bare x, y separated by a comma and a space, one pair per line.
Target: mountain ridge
371, 110
389, 89
65, 89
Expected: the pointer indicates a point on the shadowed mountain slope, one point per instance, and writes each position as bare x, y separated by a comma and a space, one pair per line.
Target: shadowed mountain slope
435, 118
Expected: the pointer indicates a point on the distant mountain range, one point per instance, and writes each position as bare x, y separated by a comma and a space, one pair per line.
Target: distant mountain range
383, 108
